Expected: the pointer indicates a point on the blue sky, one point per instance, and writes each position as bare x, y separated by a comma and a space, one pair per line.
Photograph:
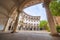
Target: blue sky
36, 10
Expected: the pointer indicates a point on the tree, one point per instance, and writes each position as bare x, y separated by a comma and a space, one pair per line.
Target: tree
55, 8
44, 24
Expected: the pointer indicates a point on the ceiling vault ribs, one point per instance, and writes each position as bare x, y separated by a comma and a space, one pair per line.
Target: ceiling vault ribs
4, 7
23, 4
31, 3
4, 14
12, 9
19, 3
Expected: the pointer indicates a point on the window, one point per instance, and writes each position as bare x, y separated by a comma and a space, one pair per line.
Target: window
34, 20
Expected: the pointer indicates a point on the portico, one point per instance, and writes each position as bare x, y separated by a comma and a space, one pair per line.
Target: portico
17, 6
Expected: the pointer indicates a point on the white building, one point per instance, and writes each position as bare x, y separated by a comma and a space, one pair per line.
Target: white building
28, 22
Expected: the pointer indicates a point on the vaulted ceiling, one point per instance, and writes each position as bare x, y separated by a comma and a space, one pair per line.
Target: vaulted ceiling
7, 6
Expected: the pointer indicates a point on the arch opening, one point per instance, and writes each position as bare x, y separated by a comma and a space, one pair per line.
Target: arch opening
49, 16
31, 17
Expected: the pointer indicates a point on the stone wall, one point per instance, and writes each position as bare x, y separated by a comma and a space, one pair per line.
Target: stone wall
57, 20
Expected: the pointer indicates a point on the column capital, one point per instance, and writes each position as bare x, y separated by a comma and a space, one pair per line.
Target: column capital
46, 3
19, 11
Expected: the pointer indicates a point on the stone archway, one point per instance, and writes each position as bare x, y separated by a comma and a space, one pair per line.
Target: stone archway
49, 16
20, 7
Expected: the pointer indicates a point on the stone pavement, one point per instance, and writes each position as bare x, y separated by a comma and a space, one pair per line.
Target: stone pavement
27, 35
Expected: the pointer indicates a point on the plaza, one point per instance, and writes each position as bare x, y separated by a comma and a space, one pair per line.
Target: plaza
28, 35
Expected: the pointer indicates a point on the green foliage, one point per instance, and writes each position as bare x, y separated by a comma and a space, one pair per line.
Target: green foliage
47, 28
44, 24
54, 0
58, 28
55, 8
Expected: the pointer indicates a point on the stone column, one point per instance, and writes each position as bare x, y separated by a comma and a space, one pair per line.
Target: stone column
16, 22
7, 24
50, 17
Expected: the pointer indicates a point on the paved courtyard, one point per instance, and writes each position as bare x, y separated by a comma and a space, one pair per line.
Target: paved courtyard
27, 35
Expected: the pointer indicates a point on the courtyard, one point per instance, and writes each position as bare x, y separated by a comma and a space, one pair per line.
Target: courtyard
28, 35
17, 24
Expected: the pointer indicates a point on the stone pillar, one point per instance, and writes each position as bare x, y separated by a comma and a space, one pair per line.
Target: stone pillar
16, 22
7, 24
50, 17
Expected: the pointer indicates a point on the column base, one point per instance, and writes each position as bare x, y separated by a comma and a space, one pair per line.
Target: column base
3, 31
57, 35
14, 32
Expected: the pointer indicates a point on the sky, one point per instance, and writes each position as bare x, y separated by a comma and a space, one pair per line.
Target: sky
36, 10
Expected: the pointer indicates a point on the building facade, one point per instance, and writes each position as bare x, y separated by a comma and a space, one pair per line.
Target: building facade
28, 22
